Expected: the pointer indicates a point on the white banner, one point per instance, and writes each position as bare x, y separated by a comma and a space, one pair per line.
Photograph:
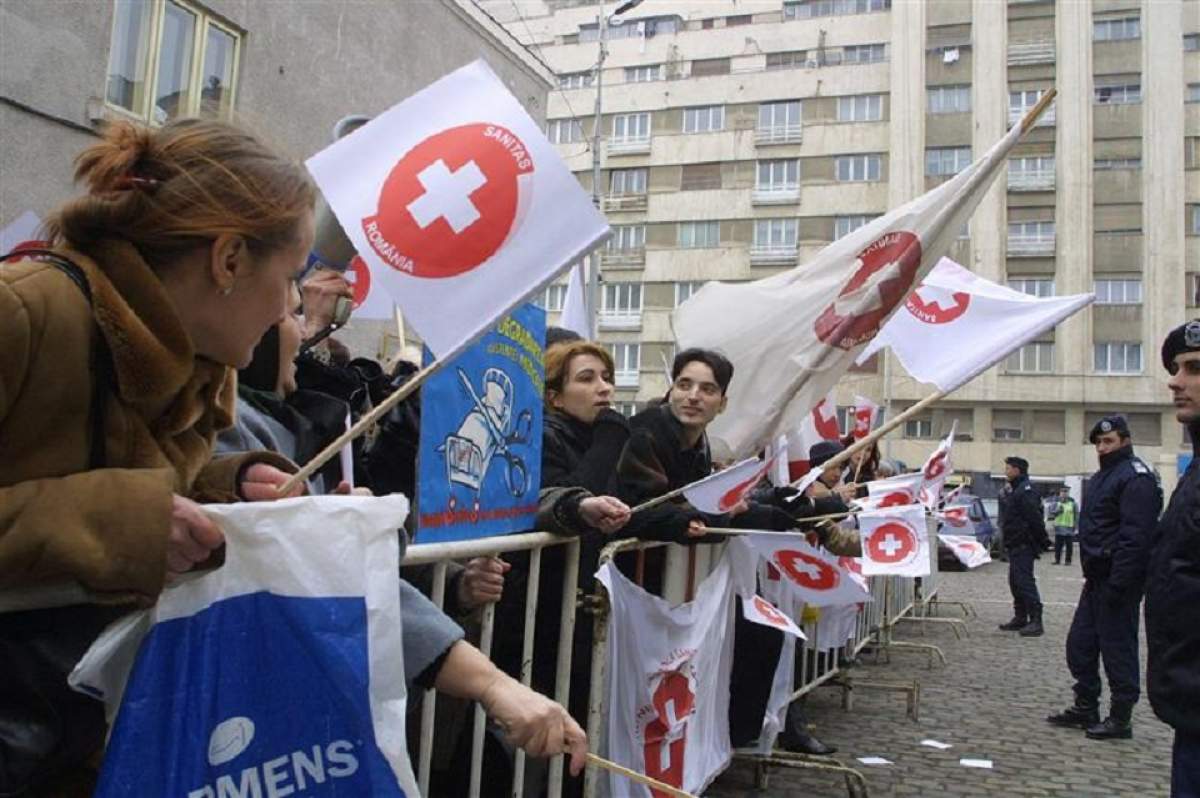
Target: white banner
892, 492
722, 491
459, 204
813, 574
895, 541
937, 468
969, 551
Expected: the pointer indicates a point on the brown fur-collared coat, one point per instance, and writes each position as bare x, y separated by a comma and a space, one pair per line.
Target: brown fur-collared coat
107, 528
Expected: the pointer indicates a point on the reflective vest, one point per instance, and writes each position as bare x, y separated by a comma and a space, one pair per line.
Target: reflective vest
1066, 515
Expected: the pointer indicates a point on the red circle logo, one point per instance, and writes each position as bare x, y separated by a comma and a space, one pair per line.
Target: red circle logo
739, 491
807, 570
896, 499
955, 516
885, 275
892, 542
942, 306
451, 202
825, 421
770, 612
359, 277
936, 465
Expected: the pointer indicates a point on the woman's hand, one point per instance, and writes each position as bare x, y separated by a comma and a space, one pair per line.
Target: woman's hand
696, 528
320, 294
846, 492
482, 582
604, 513
193, 536
532, 721
262, 483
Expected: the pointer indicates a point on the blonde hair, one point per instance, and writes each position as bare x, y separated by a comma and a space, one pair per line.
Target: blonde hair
559, 357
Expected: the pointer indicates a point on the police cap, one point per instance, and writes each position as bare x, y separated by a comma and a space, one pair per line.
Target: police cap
1018, 462
1184, 338
1113, 423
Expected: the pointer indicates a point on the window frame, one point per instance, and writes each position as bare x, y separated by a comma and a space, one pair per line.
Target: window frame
940, 105
643, 73
555, 128
1106, 295
853, 163
622, 352
1112, 25
634, 181
1037, 349
789, 228
939, 157
714, 115
1042, 287
1111, 348
701, 234
861, 107
554, 291
636, 116
636, 233
692, 286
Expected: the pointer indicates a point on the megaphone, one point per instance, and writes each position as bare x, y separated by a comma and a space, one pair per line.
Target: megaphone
331, 247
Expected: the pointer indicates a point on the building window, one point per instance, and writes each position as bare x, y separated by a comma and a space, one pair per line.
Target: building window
1031, 173
1193, 93
860, 108
1118, 357
864, 54
705, 119
858, 168
1192, 283
779, 121
1022, 101
627, 181
1031, 239
1008, 425
564, 131
699, 235
1119, 292
575, 80
781, 176
1118, 94
627, 128
706, 67
792, 59
169, 59
621, 305
1110, 164
1040, 287
845, 225
647, 28
554, 298
1031, 359
684, 291
643, 74
627, 359
946, 161
775, 234
627, 237
735, 21
1111, 30
700, 177
627, 409
921, 428
807, 9
1195, 211
948, 99
1191, 42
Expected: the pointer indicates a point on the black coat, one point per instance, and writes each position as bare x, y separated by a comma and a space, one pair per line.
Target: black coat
1117, 519
1172, 595
1021, 516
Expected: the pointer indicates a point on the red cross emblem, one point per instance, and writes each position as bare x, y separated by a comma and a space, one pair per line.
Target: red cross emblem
807, 570
825, 421
738, 492
885, 274
358, 274
451, 202
936, 465
896, 499
942, 307
892, 542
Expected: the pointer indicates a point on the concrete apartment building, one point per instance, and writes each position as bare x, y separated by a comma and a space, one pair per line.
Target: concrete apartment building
742, 136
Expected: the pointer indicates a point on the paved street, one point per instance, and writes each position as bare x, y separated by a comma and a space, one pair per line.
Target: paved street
989, 703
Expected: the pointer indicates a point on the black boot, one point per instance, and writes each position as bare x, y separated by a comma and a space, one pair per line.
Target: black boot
1116, 726
1017, 623
795, 737
1034, 627
1080, 715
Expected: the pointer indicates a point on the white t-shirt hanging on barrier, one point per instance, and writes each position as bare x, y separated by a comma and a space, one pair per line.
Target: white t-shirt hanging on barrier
668, 683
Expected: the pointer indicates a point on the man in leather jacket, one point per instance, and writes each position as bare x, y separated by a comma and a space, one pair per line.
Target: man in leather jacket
1120, 509
1173, 578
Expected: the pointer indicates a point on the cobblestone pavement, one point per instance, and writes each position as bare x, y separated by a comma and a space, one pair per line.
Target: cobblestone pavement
989, 702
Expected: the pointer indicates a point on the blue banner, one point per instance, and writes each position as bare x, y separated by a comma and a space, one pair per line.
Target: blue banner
479, 466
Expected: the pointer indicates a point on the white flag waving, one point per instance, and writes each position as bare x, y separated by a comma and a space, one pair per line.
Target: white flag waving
459, 204
819, 424
792, 336
866, 413
758, 610
985, 321
937, 468
575, 316
892, 492
895, 541
815, 575
722, 491
969, 551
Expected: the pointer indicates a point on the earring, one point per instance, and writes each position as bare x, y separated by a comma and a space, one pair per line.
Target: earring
227, 290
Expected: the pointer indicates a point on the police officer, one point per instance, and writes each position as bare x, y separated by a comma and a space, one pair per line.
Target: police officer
1173, 581
1024, 537
1120, 509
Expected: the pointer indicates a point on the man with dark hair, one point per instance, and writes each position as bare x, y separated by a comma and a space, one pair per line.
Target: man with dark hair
1173, 578
1119, 513
1024, 537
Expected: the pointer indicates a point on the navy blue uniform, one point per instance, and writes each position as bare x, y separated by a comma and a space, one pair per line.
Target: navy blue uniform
1115, 525
1172, 632
1024, 536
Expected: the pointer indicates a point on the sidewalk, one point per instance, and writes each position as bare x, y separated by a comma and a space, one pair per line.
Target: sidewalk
989, 703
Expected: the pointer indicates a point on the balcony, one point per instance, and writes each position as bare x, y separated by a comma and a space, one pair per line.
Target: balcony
1026, 246
628, 258
776, 195
1026, 53
772, 255
779, 134
1031, 180
625, 379
620, 319
625, 202
1015, 115
629, 145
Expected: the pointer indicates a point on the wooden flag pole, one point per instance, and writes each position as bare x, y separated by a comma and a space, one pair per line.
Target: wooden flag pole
657, 500
1036, 111
633, 775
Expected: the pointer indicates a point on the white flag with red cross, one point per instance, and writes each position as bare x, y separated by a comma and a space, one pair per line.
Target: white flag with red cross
895, 541
722, 491
969, 551
813, 574
866, 413
758, 610
936, 470
986, 322
892, 492
819, 424
957, 519
458, 204
793, 335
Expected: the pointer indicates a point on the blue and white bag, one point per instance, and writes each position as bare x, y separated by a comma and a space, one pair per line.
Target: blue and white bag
279, 673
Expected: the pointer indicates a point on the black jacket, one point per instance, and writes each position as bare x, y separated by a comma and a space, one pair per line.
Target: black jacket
575, 454
1021, 516
1172, 595
1117, 519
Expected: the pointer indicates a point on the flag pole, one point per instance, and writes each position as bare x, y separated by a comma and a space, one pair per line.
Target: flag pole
633, 775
